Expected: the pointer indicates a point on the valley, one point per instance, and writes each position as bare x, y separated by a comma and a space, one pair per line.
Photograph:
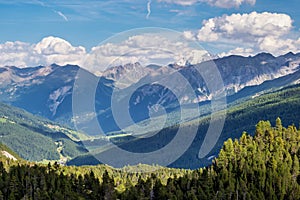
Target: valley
262, 87
241, 116
150, 100
43, 141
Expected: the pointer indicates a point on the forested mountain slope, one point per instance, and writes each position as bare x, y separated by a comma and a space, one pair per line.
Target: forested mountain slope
240, 116
35, 138
265, 166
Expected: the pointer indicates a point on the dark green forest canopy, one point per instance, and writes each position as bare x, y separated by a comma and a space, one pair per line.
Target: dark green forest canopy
264, 166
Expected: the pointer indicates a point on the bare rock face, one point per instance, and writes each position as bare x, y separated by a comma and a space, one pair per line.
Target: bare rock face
237, 73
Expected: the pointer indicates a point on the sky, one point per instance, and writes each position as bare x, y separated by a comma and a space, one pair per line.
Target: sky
39, 32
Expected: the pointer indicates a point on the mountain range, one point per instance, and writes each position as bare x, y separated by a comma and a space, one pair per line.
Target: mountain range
47, 90
249, 82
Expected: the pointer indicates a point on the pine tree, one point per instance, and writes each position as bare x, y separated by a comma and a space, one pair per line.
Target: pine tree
295, 168
107, 188
278, 124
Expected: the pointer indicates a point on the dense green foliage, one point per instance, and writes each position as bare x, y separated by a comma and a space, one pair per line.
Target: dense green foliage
39, 146
265, 166
243, 116
33, 138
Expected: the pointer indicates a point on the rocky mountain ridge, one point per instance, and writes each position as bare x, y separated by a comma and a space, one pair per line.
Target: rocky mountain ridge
47, 90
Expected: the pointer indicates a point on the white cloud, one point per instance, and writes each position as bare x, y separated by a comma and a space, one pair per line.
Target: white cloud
228, 3
189, 35
239, 34
238, 51
14, 53
56, 50
249, 33
62, 15
217, 3
48, 51
148, 9
280, 45
245, 27
146, 48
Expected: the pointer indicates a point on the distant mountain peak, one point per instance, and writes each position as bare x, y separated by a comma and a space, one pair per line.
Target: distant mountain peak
264, 55
47, 90
289, 54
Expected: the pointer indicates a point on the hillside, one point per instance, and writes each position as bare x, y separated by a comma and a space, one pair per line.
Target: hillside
263, 166
35, 138
241, 116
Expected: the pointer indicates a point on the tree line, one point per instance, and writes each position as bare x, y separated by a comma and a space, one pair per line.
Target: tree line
263, 166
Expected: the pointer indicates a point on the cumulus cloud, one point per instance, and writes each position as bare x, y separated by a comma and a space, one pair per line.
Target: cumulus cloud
56, 50
245, 27
14, 53
279, 46
148, 48
250, 33
145, 48
217, 3
48, 51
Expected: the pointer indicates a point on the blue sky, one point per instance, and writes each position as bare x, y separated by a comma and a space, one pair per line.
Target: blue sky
88, 22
